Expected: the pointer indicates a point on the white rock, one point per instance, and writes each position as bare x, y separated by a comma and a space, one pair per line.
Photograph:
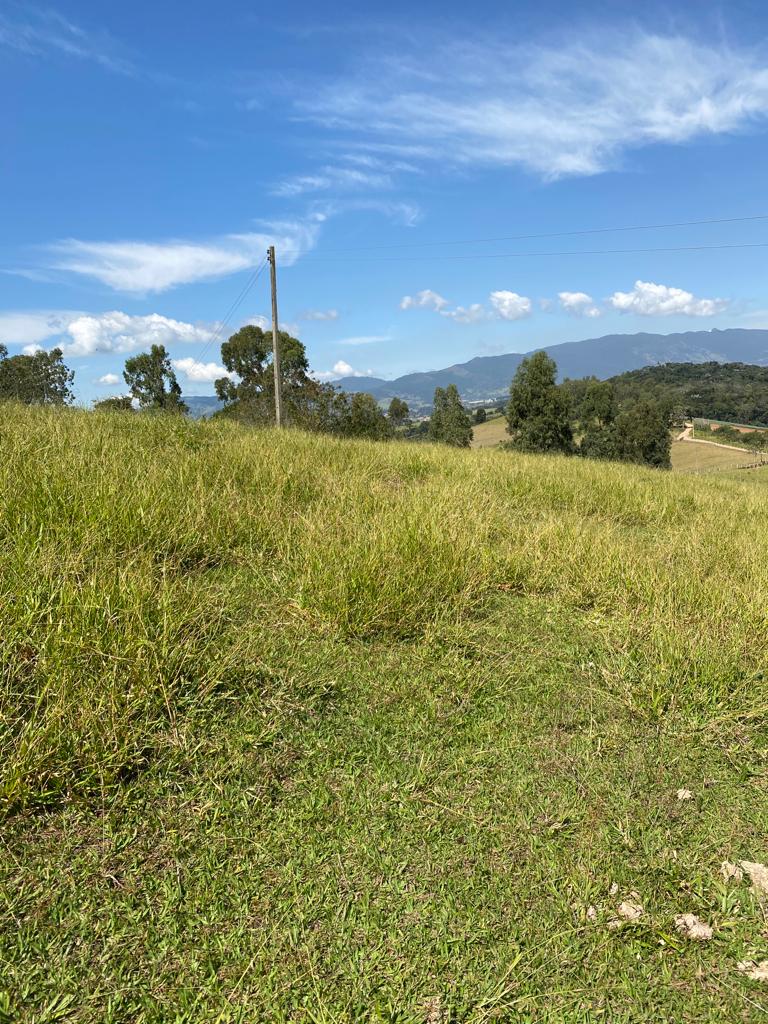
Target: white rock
731, 872
753, 970
692, 927
629, 911
758, 875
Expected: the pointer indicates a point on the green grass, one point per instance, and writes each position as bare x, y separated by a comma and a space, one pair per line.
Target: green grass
297, 729
490, 433
706, 458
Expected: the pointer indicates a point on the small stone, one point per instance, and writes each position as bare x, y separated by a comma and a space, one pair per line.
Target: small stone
591, 913
754, 971
731, 872
758, 875
684, 794
692, 927
629, 911
433, 1010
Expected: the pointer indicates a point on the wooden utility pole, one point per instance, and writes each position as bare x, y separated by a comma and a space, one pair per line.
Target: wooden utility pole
275, 340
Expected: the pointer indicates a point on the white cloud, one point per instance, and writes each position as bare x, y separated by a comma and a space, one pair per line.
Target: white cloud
556, 111
31, 350
258, 320
196, 371
157, 266
342, 178
81, 334
341, 368
121, 332
46, 31
365, 339
401, 212
505, 306
466, 314
648, 299
319, 314
346, 370
33, 326
578, 304
426, 299
110, 379
510, 305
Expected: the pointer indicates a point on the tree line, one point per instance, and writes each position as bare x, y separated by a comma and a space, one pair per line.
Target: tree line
621, 419
737, 392
247, 395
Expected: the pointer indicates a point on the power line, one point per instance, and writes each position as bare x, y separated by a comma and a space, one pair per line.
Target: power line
234, 307
528, 255
547, 234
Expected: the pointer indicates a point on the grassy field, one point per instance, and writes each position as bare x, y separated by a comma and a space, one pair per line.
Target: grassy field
488, 434
298, 729
688, 457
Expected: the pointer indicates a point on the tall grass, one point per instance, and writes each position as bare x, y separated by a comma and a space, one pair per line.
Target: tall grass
148, 564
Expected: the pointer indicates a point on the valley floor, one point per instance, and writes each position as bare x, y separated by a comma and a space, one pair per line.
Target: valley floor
430, 740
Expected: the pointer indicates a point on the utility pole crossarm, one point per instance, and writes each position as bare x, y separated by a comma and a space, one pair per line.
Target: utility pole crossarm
275, 340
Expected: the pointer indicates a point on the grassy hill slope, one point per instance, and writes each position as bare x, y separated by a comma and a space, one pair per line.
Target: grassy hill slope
297, 729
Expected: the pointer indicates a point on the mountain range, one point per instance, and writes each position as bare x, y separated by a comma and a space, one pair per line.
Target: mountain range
488, 377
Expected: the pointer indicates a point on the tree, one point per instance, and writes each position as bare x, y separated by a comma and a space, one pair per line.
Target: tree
436, 427
362, 417
39, 379
642, 435
480, 415
598, 442
247, 355
599, 403
398, 412
152, 381
449, 422
538, 410
118, 403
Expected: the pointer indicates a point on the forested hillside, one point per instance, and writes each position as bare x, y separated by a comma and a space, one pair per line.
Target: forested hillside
721, 391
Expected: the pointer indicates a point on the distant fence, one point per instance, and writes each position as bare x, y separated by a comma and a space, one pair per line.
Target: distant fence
700, 421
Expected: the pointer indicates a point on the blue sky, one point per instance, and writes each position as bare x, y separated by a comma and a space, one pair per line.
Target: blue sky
151, 152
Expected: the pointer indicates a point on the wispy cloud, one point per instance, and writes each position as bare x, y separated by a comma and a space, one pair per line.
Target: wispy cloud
319, 314
39, 32
339, 178
365, 339
135, 266
570, 110
352, 172
110, 380
648, 299
400, 211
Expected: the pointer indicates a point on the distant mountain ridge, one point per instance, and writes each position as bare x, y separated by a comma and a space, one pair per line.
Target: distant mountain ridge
489, 376
201, 406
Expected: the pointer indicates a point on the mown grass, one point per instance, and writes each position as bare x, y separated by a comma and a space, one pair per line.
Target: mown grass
296, 729
706, 458
491, 433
